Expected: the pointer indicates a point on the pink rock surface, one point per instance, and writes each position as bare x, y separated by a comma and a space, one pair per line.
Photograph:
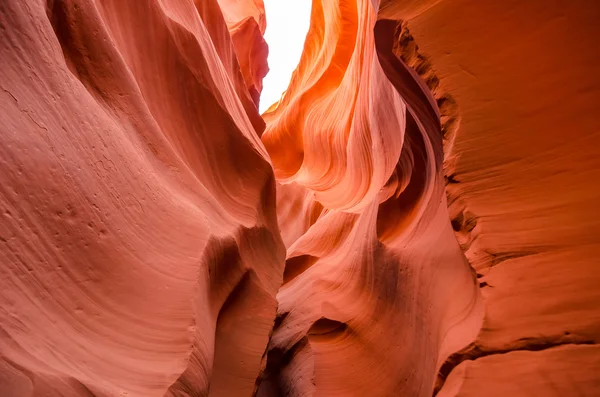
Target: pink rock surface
246, 22
417, 215
139, 245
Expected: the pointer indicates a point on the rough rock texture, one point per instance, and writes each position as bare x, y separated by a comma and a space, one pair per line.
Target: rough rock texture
520, 171
419, 215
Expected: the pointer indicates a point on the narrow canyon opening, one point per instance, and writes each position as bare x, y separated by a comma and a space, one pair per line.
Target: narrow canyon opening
392, 227
287, 24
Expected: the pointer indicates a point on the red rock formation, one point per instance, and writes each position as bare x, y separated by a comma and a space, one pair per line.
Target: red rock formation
372, 260
419, 215
247, 23
521, 167
139, 247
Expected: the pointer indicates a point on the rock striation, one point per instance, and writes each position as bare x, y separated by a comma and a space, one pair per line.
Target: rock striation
376, 290
518, 170
416, 216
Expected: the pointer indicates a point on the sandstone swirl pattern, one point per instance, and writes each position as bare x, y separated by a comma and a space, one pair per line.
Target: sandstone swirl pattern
376, 291
417, 215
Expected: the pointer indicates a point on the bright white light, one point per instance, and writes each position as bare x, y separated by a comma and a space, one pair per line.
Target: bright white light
287, 24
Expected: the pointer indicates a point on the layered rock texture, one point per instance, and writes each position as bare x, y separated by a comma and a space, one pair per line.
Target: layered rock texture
418, 215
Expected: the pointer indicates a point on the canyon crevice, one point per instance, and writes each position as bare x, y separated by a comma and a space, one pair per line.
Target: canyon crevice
418, 214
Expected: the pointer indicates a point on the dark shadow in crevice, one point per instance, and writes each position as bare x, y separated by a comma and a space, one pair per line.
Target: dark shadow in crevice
296, 266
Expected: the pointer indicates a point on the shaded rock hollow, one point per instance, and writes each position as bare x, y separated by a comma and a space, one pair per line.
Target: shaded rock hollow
417, 215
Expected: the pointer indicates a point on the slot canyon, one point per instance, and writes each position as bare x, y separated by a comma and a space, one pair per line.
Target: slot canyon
417, 215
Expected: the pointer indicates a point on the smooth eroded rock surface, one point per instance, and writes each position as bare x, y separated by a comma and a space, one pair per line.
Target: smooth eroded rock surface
417, 216
139, 247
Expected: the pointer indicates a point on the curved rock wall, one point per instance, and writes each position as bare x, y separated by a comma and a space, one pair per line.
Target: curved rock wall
139, 243
417, 215
375, 285
520, 165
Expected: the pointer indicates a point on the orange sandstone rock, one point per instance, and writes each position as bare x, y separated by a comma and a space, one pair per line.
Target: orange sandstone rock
519, 81
376, 291
417, 215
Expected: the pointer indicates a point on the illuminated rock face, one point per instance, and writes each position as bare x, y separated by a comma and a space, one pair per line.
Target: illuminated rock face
376, 290
417, 215
247, 23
